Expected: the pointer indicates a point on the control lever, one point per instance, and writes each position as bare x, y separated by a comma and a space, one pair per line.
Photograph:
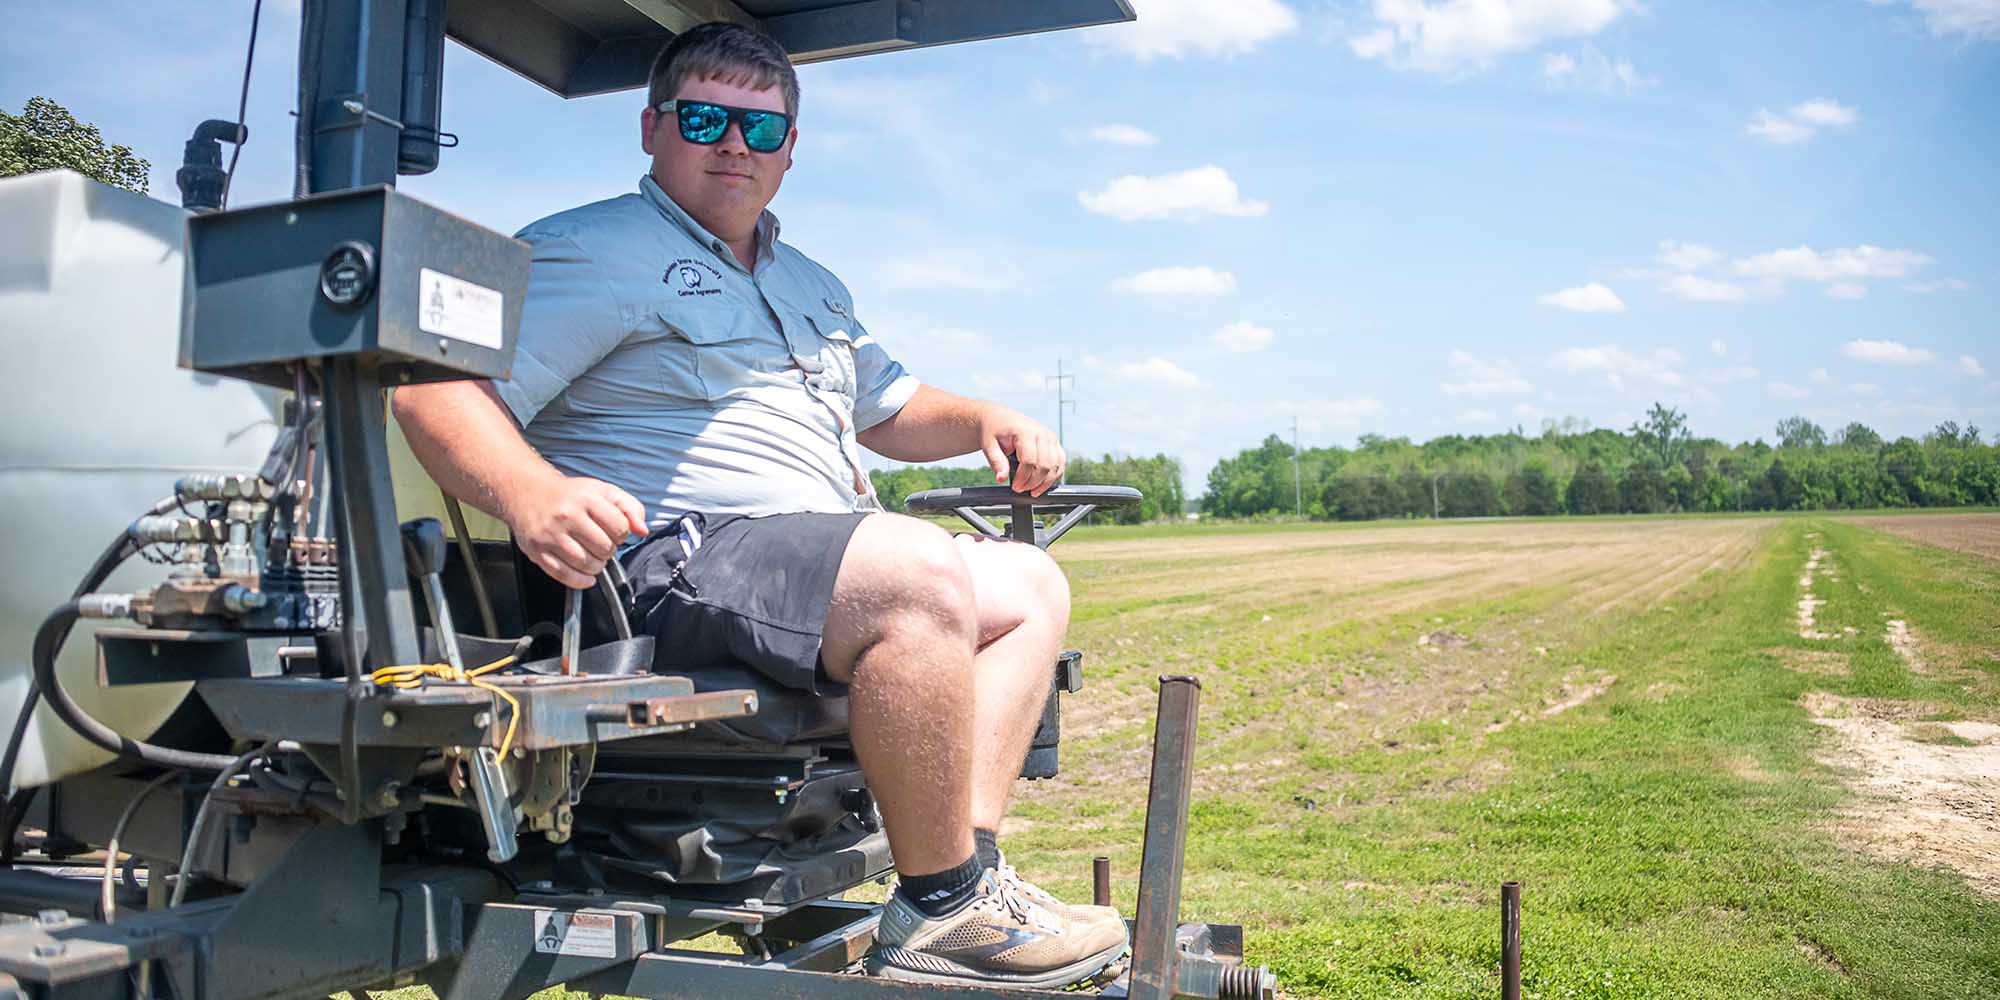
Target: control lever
424, 549
496, 814
572, 634
612, 587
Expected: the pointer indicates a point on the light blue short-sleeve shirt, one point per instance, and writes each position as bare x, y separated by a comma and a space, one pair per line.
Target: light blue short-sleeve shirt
650, 358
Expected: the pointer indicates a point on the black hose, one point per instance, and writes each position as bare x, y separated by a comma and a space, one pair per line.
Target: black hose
48, 642
18, 800
119, 551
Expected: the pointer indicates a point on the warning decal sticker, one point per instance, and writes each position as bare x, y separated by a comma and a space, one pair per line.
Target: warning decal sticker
587, 935
455, 308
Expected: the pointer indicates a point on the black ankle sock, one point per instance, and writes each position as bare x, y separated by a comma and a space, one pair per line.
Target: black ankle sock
987, 843
942, 892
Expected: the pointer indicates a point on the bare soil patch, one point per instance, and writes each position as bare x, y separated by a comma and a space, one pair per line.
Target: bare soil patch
1575, 693
1904, 642
1933, 803
1978, 534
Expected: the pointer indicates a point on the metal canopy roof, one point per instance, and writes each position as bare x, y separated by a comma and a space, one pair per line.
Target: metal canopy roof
582, 47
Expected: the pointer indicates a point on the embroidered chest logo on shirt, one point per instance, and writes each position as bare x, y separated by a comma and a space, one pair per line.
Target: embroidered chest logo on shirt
689, 277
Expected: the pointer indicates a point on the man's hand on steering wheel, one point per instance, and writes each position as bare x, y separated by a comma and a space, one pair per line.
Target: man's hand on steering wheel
1038, 460
571, 526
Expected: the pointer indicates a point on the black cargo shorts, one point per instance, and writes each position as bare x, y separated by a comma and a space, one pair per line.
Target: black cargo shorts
744, 599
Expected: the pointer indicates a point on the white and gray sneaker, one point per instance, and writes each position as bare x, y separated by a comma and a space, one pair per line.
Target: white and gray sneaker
1000, 936
1082, 912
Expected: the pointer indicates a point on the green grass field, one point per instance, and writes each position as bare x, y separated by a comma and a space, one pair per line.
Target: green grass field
1395, 720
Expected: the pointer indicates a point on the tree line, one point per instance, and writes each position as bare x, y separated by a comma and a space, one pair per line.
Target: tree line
1656, 466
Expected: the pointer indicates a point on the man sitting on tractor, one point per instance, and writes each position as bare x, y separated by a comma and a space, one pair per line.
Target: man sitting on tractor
672, 349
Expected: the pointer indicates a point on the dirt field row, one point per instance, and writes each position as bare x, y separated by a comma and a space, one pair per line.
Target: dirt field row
1978, 534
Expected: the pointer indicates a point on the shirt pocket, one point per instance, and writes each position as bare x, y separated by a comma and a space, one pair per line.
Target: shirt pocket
832, 348
705, 355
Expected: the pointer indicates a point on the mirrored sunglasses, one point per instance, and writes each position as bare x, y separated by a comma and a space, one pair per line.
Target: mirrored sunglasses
704, 123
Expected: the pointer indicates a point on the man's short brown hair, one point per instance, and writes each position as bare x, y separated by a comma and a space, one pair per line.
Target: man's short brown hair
720, 50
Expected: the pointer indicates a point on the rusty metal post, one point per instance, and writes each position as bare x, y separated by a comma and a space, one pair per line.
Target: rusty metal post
1157, 916
1510, 941
1100, 881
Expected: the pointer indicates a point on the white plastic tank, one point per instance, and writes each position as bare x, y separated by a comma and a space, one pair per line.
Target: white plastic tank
96, 424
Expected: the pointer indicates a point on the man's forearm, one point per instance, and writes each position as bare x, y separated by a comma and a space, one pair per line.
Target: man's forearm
934, 425
465, 439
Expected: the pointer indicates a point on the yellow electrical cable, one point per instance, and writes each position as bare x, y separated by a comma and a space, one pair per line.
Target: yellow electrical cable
412, 675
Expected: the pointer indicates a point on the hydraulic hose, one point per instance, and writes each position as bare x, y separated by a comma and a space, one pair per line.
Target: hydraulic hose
48, 642
17, 801
119, 551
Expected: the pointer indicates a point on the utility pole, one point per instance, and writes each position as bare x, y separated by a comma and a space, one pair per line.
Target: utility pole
1436, 511
1060, 382
1298, 497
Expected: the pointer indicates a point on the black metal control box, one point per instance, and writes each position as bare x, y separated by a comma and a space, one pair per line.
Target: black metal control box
368, 272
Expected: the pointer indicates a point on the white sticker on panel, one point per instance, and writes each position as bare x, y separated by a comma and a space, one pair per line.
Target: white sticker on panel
587, 935
458, 309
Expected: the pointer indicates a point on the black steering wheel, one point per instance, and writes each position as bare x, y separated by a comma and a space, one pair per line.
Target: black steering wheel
973, 502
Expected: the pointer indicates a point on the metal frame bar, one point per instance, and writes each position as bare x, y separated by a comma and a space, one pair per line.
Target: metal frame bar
1157, 915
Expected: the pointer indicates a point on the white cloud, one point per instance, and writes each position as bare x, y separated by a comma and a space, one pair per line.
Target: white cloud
1476, 377
1834, 266
1157, 371
1886, 352
1802, 122
1683, 256
1822, 113
1190, 194
1724, 376
1976, 18
1593, 70
1865, 389
1785, 390
1774, 129
1820, 376
1478, 417
1846, 290
1178, 281
1971, 366
1244, 337
1616, 364
1942, 285
1695, 288
1177, 28
1123, 135
1718, 348
1461, 36
1591, 298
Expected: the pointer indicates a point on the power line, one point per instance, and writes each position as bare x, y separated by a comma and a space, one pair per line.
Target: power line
1298, 497
1060, 382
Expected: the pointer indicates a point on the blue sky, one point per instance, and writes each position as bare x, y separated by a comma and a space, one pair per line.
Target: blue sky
1402, 216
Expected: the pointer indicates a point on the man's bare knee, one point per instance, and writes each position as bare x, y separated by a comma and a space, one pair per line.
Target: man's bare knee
1050, 587
900, 578
1016, 584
